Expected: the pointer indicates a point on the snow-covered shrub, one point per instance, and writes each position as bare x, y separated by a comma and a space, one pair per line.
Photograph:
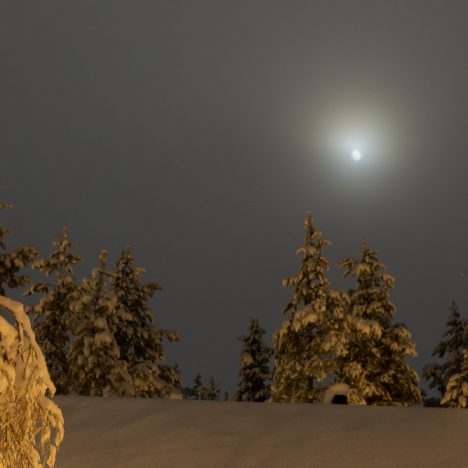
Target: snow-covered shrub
31, 425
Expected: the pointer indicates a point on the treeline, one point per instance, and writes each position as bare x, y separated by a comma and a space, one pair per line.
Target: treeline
99, 336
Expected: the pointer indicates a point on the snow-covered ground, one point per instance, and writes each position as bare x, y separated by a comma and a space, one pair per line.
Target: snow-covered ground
125, 432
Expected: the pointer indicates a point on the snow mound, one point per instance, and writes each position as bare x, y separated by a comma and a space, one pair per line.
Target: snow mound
334, 390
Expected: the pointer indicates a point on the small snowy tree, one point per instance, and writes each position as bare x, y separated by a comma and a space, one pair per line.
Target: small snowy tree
452, 349
200, 392
51, 314
192, 393
11, 263
374, 362
297, 361
95, 367
139, 340
254, 366
214, 389
456, 394
31, 424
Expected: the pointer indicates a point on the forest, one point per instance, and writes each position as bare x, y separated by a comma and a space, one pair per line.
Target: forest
98, 336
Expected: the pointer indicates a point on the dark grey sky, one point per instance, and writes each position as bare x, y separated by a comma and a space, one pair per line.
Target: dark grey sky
202, 132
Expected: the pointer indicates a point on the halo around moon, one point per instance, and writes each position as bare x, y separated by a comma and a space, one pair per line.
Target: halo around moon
356, 155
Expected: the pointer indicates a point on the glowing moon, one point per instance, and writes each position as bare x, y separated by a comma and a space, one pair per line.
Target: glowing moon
356, 155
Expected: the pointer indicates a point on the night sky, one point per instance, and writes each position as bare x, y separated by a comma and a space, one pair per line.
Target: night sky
201, 132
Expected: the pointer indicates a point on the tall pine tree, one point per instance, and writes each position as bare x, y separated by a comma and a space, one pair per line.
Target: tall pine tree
95, 364
254, 366
451, 350
297, 361
139, 340
12, 263
51, 315
374, 362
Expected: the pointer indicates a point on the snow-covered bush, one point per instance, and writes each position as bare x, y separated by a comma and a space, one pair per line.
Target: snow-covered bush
31, 425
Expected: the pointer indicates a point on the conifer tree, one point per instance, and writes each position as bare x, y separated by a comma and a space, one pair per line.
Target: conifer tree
214, 389
194, 392
51, 314
456, 394
452, 349
297, 360
95, 366
254, 366
139, 340
200, 392
11, 263
374, 362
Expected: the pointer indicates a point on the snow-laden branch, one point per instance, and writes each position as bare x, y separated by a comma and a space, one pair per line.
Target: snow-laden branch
31, 425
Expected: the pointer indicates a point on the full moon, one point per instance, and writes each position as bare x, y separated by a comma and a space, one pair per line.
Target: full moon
356, 155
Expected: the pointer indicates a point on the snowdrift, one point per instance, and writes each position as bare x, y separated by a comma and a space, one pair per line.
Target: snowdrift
125, 432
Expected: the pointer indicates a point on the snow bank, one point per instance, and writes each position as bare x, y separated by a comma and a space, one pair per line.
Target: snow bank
124, 432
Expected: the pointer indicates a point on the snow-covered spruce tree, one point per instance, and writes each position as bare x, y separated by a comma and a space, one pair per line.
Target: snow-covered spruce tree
31, 424
254, 366
11, 263
139, 340
451, 349
51, 314
95, 366
374, 363
298, 363
456, 394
